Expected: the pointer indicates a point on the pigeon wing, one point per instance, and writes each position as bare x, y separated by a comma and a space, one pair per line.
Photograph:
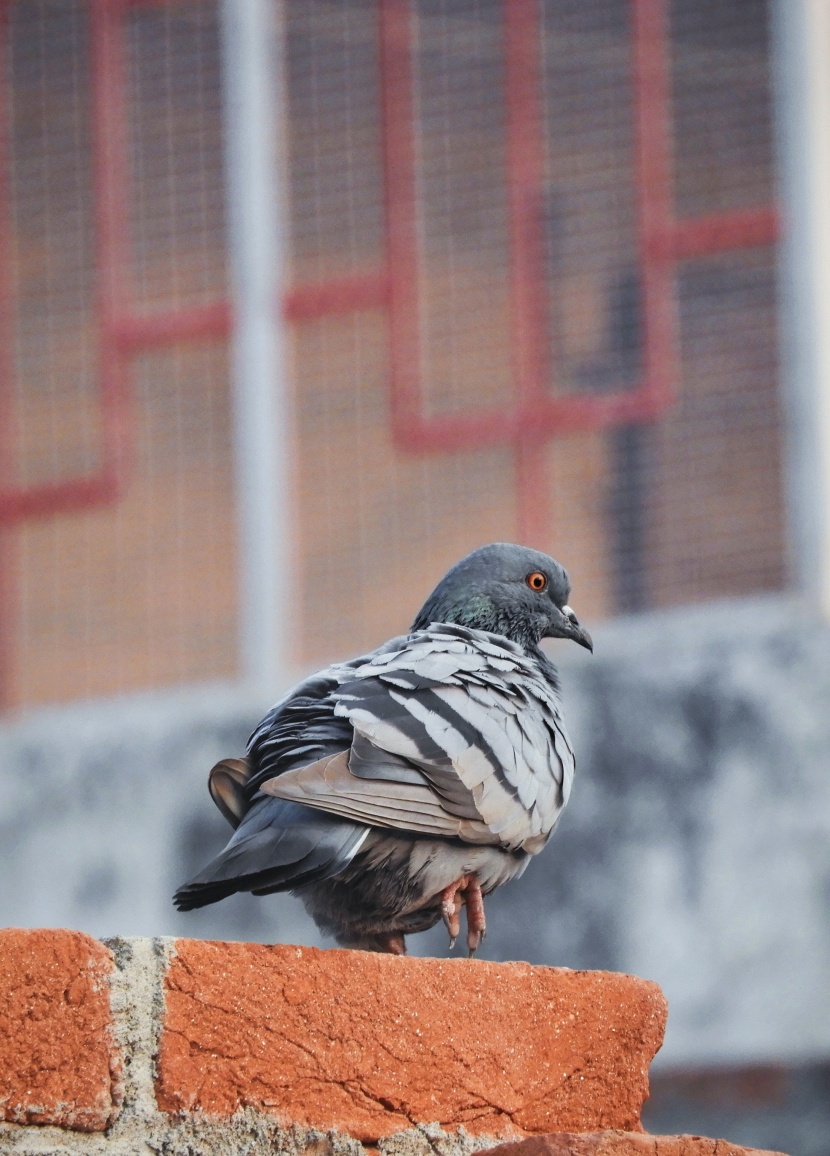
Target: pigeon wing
456, 732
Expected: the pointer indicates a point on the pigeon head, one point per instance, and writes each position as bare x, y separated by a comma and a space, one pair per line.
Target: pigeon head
508, 590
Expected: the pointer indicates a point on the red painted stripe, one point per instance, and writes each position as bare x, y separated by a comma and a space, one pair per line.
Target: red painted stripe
525, 163
361, 291
401, 202
8, 441
723, 232
653, 182
62, 497
138, 331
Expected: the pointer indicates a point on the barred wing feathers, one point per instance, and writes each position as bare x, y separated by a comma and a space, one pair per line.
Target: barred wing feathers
303, 727
456, 732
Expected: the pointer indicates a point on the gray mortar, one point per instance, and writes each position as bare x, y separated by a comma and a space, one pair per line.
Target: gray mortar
431, 1140
140, 1129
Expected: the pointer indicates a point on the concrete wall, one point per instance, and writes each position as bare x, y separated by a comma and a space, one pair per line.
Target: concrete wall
695, 850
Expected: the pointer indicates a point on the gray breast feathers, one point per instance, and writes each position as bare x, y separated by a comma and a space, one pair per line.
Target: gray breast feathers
456, 733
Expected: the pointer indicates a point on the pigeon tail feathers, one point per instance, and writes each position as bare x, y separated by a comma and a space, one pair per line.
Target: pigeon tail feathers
278, 846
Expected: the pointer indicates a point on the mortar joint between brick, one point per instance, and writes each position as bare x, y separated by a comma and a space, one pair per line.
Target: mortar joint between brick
137, 1007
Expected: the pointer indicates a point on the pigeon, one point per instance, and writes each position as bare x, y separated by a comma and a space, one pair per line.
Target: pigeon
389, 791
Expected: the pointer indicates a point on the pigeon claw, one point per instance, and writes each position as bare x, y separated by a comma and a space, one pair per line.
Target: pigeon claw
476, 925
467, 891
451, 909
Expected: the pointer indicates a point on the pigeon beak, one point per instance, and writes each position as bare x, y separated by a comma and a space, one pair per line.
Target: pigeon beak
584, 639
575, 631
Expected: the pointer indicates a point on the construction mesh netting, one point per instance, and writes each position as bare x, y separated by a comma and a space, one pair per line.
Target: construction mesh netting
135, 585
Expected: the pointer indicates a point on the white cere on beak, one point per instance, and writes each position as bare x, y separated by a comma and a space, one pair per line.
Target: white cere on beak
566, 610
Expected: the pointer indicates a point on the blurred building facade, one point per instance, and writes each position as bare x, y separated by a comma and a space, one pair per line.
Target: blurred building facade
299, 303
528, 293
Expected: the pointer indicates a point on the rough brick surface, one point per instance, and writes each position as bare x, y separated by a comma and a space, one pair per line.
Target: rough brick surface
57, 1056
373, 1044
616, 1143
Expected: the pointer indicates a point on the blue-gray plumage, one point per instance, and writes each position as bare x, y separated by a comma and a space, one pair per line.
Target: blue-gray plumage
389, 790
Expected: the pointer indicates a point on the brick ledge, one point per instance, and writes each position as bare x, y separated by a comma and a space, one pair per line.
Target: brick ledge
217, 1047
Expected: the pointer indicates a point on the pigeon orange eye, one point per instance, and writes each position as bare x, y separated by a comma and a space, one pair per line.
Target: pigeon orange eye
536, 581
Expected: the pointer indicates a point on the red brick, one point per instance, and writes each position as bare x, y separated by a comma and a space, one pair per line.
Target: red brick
617, 1143
372, 1044
58, 1060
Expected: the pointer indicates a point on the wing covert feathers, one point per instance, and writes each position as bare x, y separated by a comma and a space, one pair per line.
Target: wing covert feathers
330, 786
454, 732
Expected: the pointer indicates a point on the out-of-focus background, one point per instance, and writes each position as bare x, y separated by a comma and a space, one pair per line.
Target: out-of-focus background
301, 302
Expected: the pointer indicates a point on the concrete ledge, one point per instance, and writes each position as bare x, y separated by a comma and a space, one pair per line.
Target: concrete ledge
181, 1045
